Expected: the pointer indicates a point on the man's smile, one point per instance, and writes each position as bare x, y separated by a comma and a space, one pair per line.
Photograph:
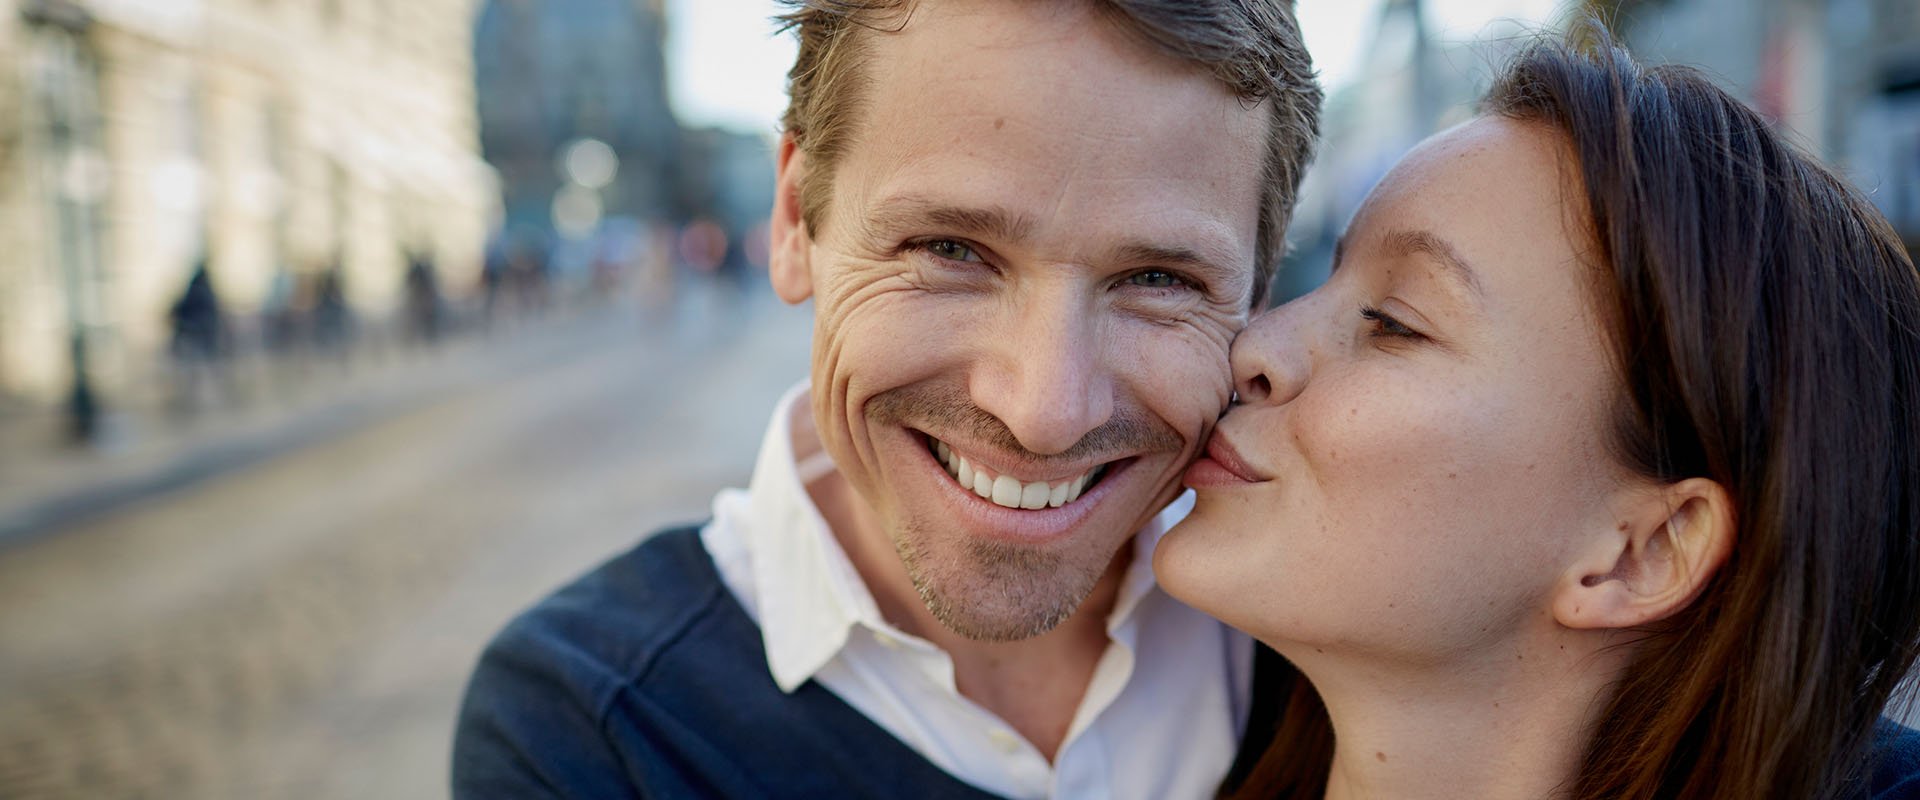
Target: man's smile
1006, 490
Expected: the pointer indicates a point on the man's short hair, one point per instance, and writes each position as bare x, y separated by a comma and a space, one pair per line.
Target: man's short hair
1253, 46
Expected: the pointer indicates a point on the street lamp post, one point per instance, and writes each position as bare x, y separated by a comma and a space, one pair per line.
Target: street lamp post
60, 28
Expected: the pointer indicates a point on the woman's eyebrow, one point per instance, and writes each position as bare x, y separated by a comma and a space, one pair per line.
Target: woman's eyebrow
1403, 243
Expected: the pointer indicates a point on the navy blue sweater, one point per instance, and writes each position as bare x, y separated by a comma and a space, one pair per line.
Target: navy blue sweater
1896, 768
647, 679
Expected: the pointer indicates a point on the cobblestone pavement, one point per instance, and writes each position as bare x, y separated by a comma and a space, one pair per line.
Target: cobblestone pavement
303, 628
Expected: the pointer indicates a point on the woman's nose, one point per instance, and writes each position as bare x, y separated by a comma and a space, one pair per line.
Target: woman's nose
1271, 358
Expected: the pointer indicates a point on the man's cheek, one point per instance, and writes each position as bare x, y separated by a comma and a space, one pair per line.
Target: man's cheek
1196, 376
1190, 401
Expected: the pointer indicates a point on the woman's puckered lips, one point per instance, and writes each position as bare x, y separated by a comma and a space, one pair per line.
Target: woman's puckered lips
1222, 451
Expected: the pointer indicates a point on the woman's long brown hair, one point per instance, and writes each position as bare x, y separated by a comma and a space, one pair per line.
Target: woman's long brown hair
1765, 320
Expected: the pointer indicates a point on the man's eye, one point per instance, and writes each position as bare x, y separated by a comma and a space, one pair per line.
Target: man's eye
1156, 279
951, 250
1385, 325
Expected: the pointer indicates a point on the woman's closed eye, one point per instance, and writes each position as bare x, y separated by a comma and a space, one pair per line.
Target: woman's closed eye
1385, 325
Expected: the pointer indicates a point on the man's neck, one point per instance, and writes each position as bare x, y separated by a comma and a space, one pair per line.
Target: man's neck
1035, 685
1512, 725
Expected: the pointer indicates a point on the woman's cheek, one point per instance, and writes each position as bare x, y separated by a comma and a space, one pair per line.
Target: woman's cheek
1356, 424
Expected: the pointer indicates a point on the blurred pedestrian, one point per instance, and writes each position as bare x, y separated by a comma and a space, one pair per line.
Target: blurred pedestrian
493, 276
332, 320
196, 317
198, 341
423, 307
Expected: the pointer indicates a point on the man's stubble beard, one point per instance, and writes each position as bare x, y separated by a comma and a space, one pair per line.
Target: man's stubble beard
995, 591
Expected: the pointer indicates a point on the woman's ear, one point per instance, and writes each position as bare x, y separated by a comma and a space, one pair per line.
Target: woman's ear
790, 244
1666, 546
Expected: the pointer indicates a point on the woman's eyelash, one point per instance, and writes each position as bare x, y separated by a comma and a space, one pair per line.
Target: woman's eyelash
1385, 325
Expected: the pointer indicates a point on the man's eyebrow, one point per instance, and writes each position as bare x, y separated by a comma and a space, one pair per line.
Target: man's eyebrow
1418, 242
913, 211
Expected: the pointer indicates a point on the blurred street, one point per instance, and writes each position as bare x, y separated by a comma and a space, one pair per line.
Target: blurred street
333, 334
303, 627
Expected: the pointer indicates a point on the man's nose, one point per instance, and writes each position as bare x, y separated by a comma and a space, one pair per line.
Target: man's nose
1273, 356
1046, 376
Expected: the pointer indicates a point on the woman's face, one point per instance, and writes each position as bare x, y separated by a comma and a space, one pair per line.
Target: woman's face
1426, 432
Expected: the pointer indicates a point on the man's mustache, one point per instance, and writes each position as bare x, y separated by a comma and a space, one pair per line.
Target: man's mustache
947, 408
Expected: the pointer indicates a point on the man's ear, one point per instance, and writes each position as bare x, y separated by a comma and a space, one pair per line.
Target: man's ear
1668, 543
790, 244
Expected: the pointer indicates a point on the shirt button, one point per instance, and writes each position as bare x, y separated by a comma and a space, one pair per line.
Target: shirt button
886, 640
1008, 741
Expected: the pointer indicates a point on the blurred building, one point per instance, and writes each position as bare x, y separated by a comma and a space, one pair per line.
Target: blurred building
1842, 75
552, 74
727, 177
273, 140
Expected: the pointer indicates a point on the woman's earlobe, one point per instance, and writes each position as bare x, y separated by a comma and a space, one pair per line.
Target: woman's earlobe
1661, 556
790, 243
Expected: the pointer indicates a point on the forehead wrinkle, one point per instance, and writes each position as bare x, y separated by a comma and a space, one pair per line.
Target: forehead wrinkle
1404, 243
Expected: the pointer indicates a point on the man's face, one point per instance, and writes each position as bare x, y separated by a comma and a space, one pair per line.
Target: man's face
1039, 246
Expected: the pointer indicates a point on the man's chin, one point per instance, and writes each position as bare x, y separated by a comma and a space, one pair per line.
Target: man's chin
999, 591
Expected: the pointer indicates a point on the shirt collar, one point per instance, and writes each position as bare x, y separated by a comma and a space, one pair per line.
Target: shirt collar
1139, 583
810, 597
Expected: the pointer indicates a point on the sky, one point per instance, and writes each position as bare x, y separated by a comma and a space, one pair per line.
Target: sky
728, 68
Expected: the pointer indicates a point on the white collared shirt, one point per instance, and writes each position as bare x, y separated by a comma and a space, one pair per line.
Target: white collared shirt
1160, 719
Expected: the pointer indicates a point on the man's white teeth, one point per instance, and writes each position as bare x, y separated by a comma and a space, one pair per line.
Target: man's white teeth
1007, 491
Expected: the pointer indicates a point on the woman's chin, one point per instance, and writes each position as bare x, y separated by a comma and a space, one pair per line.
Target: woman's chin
1195, 563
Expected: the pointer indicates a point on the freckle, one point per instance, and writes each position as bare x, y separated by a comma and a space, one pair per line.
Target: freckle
1623, 525
1353, 412
1318, 650
1000, 123
1496, 705
1379, 755
1529, 467
1451, 476
1389, 605
1519, 657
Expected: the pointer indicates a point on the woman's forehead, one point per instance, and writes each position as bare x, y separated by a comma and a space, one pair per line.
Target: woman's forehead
1496, 191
